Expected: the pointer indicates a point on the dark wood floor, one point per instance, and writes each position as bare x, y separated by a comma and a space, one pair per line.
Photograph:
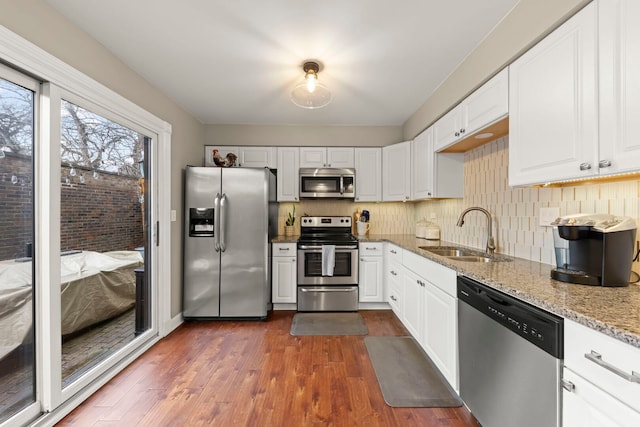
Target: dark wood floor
256, 374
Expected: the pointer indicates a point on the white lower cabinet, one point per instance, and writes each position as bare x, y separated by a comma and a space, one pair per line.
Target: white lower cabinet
413, 303
588, 406
600, 379
370, 272
430, 311
283, 273
393, 277
440, 332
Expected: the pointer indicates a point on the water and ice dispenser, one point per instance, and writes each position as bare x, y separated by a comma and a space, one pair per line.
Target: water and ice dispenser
201, 222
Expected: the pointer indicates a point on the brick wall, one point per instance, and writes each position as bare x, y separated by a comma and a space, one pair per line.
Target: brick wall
101, 214
16, 209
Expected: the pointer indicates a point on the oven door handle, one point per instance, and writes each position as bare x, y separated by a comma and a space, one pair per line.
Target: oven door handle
319, 248
329, 289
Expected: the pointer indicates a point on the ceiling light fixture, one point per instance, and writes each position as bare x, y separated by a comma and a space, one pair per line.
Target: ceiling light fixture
311, 94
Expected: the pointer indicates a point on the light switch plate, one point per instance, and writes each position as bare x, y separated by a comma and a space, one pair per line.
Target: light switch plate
173, 215
432, 216
548, 215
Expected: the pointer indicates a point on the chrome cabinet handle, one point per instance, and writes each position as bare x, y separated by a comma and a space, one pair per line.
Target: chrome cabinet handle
463, 130
370, 249
568, 385
596, 358
393, 298
585, 166
604, 163
393, 251
393, 273
283, 249
457, 134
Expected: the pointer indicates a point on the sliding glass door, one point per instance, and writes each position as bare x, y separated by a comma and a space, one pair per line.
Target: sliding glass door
18, 96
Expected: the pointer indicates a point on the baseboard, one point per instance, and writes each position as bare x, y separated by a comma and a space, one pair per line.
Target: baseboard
285, 307
374, 306
170, 325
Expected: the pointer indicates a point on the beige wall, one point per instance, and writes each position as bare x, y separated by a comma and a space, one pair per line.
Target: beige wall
527, 23
359, 136
35, 21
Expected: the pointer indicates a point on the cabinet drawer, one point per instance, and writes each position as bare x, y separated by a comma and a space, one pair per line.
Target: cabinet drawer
394, 253
284, 249
371, 248
614, 355
439, 275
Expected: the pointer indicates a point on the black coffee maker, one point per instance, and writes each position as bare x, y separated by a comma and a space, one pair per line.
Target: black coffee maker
594, 249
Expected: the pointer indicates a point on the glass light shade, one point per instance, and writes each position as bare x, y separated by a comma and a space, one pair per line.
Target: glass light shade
318, 98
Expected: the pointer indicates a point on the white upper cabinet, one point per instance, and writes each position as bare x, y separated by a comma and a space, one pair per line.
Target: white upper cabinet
619, 56
435, 174
257, 157
396, 172
553, 126
288, 170
486, 105
327, 157
368, 174
422, 179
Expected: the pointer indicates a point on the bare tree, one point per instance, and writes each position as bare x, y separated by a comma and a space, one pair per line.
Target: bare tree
16, 118
98, 143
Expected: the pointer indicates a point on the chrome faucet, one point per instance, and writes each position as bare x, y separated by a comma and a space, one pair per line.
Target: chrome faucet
491, 246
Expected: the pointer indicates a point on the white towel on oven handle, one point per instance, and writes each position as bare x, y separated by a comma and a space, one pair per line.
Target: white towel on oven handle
328, 259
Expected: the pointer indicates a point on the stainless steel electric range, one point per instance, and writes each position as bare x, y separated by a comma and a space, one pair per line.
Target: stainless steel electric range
327, 264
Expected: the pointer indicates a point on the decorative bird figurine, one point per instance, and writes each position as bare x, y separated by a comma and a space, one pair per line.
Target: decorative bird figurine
225, 162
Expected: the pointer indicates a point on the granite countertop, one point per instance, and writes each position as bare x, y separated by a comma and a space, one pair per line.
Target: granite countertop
612, 311
285, 239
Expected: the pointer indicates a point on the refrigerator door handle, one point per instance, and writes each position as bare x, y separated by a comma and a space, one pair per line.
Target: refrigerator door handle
216, 220
223, 220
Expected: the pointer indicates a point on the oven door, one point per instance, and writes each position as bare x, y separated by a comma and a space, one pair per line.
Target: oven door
345, 271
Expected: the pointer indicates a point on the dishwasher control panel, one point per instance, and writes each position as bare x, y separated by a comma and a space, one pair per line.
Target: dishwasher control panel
541, 328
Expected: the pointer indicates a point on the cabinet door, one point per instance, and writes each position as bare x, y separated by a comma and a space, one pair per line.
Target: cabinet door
257, 157
340, 157
441, 332
588, 406
396, 172
368, 163
487, 104
393, 283
619, 55
370, 280
553, 127
222, 150
313, 157
446, 130
283, 279
413, 304
423, 166
288, 168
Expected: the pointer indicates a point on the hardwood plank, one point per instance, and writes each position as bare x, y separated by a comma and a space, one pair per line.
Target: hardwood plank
239, 373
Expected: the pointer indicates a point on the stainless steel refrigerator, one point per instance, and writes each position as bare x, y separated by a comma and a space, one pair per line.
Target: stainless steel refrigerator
230, 216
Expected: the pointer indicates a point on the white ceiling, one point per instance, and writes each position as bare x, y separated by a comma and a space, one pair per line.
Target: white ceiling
236, 61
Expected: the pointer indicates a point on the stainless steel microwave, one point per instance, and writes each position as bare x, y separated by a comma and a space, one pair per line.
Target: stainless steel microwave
327, 183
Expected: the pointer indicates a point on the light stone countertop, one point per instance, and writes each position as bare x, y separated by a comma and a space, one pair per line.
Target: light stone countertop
612, 311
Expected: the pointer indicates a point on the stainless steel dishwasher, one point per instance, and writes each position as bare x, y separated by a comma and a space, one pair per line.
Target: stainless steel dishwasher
510, 358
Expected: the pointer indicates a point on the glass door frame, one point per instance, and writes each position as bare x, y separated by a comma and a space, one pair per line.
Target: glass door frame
60, 78
50, 177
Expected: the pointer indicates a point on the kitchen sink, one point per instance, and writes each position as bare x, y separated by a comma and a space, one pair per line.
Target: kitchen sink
463, 254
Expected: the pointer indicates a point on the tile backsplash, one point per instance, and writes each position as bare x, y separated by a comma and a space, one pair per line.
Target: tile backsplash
515, 211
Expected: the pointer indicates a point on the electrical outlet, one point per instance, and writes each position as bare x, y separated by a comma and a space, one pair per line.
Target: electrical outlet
173, 215
548, 215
